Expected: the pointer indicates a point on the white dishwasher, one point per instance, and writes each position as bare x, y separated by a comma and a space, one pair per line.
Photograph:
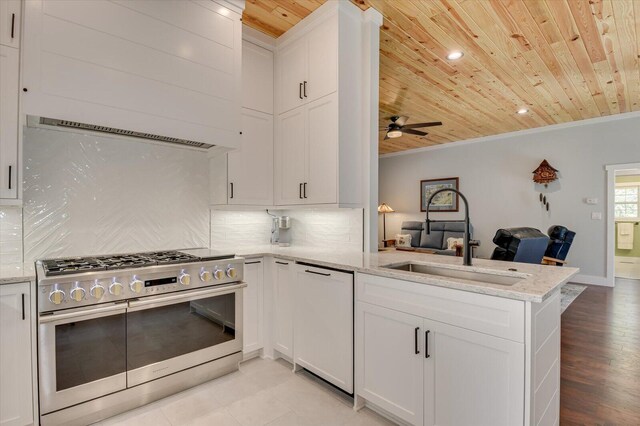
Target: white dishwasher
323, 327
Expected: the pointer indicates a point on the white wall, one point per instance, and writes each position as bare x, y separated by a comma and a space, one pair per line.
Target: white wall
334, 229
495, 175
89, 194
10, 235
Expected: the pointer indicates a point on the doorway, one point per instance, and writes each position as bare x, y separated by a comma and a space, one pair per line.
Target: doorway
624, 222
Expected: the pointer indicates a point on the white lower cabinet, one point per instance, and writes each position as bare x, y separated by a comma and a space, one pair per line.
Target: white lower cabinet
16, 395
323, 324
390, 367
252, 312
430, 373
283, 301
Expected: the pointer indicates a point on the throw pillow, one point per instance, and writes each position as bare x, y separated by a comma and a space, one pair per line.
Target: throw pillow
403, 240
453, 242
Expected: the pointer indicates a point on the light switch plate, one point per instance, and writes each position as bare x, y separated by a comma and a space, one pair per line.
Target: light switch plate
596, 215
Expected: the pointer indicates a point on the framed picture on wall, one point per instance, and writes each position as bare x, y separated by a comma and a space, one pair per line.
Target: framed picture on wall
443, 202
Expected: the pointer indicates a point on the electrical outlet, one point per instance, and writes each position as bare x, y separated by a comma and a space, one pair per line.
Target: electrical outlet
596, 216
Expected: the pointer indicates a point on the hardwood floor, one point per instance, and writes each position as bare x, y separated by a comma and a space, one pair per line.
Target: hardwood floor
600, 370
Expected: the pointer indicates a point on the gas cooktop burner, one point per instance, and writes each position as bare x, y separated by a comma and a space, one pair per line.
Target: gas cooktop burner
75, 265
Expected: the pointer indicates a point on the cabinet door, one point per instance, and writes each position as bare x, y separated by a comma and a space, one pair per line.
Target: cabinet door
251, 165
16, 397
252, 306
10, 23
322, 75
283, 293
323, 331
257, 78
472, 378
292, 72
322, 151
9, 82
389, 349
290, 154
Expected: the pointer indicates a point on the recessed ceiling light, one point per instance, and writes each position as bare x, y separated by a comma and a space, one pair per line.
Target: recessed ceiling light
523, 111
394, 133
456, 54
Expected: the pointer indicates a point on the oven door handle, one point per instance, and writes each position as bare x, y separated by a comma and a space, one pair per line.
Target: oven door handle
158, 301
84, 313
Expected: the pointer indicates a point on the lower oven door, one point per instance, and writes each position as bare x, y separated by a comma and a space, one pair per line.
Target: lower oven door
170, 333
82, 355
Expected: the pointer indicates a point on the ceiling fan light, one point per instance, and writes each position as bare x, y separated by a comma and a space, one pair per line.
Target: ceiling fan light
523, 111
394, 133
456, 54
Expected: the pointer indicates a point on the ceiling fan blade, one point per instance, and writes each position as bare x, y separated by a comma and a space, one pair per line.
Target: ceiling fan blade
414, 132
401, 120
418, 125
386, 137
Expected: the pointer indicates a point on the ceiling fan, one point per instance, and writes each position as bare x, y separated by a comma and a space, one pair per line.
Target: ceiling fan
397, 127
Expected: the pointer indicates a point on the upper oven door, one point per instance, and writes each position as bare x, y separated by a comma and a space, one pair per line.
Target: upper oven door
170, 333
82, 355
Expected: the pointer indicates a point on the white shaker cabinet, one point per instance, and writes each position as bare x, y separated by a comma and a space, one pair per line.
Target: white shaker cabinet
10, 22
323, 324
306, 155
252, 311
257, 78
390, 363
169, 68
250, 167
9, 127
16, 395
308, 66
319, 145
283, 302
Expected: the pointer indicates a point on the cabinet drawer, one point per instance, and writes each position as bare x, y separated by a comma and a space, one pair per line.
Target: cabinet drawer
487, 314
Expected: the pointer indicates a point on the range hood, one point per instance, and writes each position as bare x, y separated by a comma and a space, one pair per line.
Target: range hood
53, 122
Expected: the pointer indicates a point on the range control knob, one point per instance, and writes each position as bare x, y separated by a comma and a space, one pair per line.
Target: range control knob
115, 288
136, 285
218, 273
56, 296
96, 291
231, 272
205, 275
77, 293
185, 279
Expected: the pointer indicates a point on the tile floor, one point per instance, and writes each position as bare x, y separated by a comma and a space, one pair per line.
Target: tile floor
262, 393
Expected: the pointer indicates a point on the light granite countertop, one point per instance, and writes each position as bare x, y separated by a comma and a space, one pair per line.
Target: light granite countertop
17, 273
538, 281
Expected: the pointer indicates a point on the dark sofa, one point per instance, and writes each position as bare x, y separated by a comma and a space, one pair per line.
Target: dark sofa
437, 239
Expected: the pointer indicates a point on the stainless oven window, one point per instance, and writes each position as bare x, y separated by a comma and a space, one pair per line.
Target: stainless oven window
161, 333
89, 350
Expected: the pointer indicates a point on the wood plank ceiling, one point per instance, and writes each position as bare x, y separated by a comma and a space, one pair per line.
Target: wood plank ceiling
563, 60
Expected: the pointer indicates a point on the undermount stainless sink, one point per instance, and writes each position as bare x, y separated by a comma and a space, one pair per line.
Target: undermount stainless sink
439, 271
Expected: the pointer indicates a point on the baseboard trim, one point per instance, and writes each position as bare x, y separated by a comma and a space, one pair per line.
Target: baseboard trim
591, 280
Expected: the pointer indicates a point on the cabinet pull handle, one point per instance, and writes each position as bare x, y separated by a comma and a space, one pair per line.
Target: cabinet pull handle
13, 26
426, 344
252, 263
300, 90
231, 190
10, 173
23, 315
415, 340
304, 89
281, 263
317, 273
300, 191
305, 189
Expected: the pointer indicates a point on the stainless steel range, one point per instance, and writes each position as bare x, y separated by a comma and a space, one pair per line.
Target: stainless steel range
116, 332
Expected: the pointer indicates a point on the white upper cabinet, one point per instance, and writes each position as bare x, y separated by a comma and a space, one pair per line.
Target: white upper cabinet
257, 78
170, 68
250, 167
308, 66
10, 22
9, 129
319, 147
